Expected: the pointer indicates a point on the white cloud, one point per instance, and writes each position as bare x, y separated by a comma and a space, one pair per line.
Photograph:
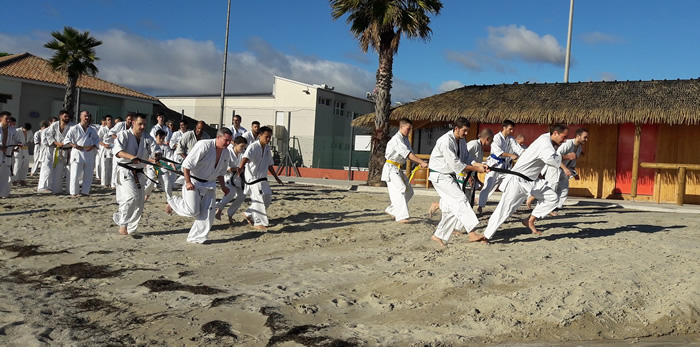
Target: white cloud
513, 42
449, 85
608, 76
598, 37
469, 59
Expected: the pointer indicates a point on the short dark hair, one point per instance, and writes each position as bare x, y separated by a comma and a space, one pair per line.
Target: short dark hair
27, 126
462, 122
132, 115
264, 130
105, 117
119, 119
558, 128
160, 133
255, 122
63, 112
507, 122
44, 124
405, 121
580, 131
239, 139
223, 132
237, 116
5, 113
160, 114
137, 115
13, 120
183, 121
53, 119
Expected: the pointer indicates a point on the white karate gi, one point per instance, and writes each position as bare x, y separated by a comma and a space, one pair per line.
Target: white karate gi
99, 154
130, 184
260, 159
115, 130
444, 162
515, 189
21, 164
174, 140
82, 163
237, 132
493, 179
38, 150
248, 135
104, 157
476, 150
233, 183
200, 202
166, 129
400, 191
164, 177
56, 166
561, 186
6, 160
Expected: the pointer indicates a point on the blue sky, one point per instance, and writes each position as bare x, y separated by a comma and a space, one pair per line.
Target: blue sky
176, 47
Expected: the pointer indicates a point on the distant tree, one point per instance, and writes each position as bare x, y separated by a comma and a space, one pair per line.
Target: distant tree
74, 55
4, 54
379, 24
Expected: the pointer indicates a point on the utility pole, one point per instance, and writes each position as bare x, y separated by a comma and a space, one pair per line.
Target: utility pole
568, 43
223, 78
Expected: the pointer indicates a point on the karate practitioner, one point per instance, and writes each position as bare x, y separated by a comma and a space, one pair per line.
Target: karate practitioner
101, 132
163, 177
160, 125
130, 147
257, 162
252, 134
398, 151
38, 148
21, 162
236, 128
504, 150
56, 167
444, 162
175, 139
112, 133
84, 140
208, 161
516, 189
104, 155
520, 139
190, 138
233, 180
8, 142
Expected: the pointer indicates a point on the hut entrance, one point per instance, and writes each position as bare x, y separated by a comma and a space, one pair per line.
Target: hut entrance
625, 152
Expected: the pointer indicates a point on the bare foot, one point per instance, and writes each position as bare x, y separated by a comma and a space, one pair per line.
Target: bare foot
122, 230
457, 233
433, 207
531, 225
168, 209
217, 215
247, 218
404, 221
145, 198
390, 215
474, 237
553, 214
260, 227
530, 199
438, 240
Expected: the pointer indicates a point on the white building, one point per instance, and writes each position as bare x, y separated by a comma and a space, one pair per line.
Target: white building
309, 118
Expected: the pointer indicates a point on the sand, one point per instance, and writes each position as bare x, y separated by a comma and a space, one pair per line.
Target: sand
335, 270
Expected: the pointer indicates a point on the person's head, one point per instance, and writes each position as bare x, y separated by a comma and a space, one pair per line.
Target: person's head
558, 133
160, 137
183, 126
520, 139
255, 127
44, 124
64, 116
199, 129
107, 121
170, 124
130, 118
5, 118
138, 122
224, 136
265, 135
118, 120
239, 144
486, 137
53, 119
405, 126
13, 122
160, 117
85, 118
461, 128
581, 136
236, 121
27, 126
507, 127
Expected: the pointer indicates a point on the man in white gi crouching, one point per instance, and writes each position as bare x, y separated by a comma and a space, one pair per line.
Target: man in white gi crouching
516, 189
257, 162
84, 140
233, 180
398, 151
205, 164
130, 147
444, 162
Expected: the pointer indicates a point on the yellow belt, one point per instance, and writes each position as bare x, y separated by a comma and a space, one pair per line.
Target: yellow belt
461, 177
393, 163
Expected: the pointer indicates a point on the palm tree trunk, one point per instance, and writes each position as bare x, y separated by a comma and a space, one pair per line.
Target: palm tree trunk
69, 99
381, 111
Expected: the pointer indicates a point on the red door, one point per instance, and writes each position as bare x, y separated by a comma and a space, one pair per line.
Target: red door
625, 153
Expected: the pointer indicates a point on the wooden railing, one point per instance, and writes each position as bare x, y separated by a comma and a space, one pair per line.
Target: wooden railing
682, 169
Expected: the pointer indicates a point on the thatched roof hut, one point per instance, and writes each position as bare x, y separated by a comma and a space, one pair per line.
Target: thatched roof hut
659, 102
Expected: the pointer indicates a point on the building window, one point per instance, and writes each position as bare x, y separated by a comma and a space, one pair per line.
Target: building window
339, 108
324, 101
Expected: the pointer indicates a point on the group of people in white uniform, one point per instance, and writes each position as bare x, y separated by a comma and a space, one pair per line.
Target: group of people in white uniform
540, 171
124, 157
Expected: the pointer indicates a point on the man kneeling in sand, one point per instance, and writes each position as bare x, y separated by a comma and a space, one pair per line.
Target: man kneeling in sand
205, 163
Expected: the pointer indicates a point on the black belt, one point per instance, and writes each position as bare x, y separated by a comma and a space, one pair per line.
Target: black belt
509, 172
243, 181
135, 171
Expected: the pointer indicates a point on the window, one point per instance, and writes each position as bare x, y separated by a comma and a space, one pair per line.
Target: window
339, 108
324, 101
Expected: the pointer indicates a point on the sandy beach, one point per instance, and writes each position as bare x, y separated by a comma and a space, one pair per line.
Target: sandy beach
335, 270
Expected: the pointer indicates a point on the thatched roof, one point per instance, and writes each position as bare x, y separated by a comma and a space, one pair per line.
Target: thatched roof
666, 102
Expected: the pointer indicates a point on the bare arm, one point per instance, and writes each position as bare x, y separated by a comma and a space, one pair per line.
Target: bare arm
417, 160
272, 171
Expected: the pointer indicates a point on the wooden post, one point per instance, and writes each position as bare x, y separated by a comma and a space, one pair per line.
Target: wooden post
657, 187
681, 186
635, 159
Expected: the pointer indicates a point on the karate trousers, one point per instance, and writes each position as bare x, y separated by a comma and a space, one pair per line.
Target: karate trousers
164, 179
236, 194
37, 162
55, 175
515, 192
198, 203
98, 164
80, 171
400, 194
20, 168
130, 197
562, 189
492, 180
105, 171
5, 177
259, 202
114, 171
456, 211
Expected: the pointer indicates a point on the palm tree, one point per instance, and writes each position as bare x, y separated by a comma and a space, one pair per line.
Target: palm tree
379, 24
74, 55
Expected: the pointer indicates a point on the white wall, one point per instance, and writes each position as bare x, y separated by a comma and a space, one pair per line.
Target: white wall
14, 88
